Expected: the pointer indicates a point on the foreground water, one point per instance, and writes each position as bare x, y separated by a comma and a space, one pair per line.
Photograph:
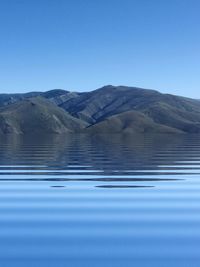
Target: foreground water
100, 201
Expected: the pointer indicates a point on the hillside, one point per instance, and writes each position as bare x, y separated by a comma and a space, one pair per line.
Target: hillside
130, 122
37, 115
108, 109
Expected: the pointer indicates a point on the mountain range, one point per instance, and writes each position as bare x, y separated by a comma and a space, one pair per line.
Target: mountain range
110, 109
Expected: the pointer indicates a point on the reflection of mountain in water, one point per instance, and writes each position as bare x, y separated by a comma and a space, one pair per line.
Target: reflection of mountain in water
113, 158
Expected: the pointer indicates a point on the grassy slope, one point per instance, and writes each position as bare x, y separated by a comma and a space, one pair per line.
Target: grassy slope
37, 115
130, 122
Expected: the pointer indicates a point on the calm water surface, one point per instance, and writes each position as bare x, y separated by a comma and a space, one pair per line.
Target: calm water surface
100, 201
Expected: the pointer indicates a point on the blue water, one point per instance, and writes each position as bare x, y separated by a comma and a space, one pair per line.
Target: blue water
100, 201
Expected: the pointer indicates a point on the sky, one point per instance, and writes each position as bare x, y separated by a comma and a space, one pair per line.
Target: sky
81, 45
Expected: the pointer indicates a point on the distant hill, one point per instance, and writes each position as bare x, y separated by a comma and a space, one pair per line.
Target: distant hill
7, 99
110, 109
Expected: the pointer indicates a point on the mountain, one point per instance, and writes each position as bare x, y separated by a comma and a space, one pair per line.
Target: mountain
176, 112
173, 111
37, 115
109, 100
113, 109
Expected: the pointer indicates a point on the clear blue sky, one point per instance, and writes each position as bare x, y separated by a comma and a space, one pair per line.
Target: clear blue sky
85, 44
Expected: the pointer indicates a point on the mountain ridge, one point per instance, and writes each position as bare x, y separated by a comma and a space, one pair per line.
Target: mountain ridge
145, 110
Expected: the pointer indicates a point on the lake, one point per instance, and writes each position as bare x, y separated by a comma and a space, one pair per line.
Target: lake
112, 200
